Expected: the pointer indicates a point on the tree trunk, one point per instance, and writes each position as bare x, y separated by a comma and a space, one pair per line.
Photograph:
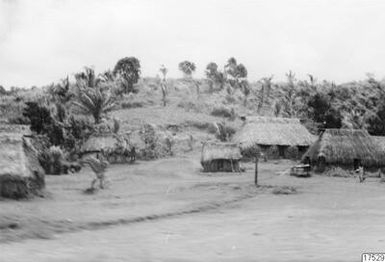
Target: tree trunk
256, 172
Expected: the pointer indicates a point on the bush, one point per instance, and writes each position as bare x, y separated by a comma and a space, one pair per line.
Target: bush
223, 111
51, 159
225, 132
252, 152
198, 124
133, 104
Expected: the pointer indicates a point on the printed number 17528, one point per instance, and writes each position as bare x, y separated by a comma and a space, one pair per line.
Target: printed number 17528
372, 257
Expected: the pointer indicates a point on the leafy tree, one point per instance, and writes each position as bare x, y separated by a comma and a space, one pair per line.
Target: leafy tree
187, 67
95, 102
2, 90
376, 122
42, 122
264, 93
215, 76
323, 113
163, 84
128, 70
237, 73
87, 78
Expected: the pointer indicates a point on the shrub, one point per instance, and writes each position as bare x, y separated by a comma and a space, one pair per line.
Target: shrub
133, 104
50, 159
225, 132
199, 124
223, 111
43, 123
150, 140
252, 152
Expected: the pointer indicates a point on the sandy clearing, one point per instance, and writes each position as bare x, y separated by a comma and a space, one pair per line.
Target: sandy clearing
331, 219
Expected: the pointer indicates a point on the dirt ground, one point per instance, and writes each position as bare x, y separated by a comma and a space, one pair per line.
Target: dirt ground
166, 210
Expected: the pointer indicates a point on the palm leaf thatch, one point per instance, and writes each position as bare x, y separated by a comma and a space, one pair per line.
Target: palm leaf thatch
20, 172
213, 150
222, 157
342, 146
380, 140
95, 102
106, 143
273, 131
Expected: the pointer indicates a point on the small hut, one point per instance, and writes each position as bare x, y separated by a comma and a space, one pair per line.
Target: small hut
275, 137
345, 148
220, 157
21, 175
115, 148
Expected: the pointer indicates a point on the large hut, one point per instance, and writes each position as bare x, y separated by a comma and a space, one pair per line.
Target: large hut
220, 157
345, 148
274, 137
21, 175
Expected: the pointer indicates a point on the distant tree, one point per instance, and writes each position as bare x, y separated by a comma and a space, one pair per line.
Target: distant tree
236, 73
87, 78
163, 84
323, 113
214, 75
128, 69
163, 69
376, 122
187, 67
2, 90
264, 93
95, 102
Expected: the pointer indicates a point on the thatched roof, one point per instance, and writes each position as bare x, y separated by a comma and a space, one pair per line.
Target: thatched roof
20, 171
19, 129
213, 150
380, 140
103, 142
273, 131
342, 146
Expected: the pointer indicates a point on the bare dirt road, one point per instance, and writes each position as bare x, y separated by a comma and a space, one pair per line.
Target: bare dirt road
216, 218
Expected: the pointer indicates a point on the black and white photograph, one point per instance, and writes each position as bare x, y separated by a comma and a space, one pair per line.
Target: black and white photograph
192, 131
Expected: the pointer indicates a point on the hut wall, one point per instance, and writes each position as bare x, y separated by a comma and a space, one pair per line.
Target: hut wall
221, 165
275, 152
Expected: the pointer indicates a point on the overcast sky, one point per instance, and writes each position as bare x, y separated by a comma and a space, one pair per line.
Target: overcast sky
41, 41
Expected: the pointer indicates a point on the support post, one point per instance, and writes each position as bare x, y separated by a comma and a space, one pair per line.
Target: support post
256, 171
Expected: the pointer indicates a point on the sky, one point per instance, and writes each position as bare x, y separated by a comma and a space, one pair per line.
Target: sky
43, 41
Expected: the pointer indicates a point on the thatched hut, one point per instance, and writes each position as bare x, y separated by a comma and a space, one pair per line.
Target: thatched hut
20, 172
345, 148
273, 136
114, 147
220, 157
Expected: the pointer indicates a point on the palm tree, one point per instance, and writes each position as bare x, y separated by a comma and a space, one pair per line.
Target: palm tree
95, 102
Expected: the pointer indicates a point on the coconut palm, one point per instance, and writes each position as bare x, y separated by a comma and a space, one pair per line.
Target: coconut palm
95, 102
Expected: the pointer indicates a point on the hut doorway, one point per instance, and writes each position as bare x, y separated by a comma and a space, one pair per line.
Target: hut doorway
356, 163
321, 164
281, 151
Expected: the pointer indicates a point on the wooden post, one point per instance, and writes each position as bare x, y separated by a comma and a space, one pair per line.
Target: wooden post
256, 172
